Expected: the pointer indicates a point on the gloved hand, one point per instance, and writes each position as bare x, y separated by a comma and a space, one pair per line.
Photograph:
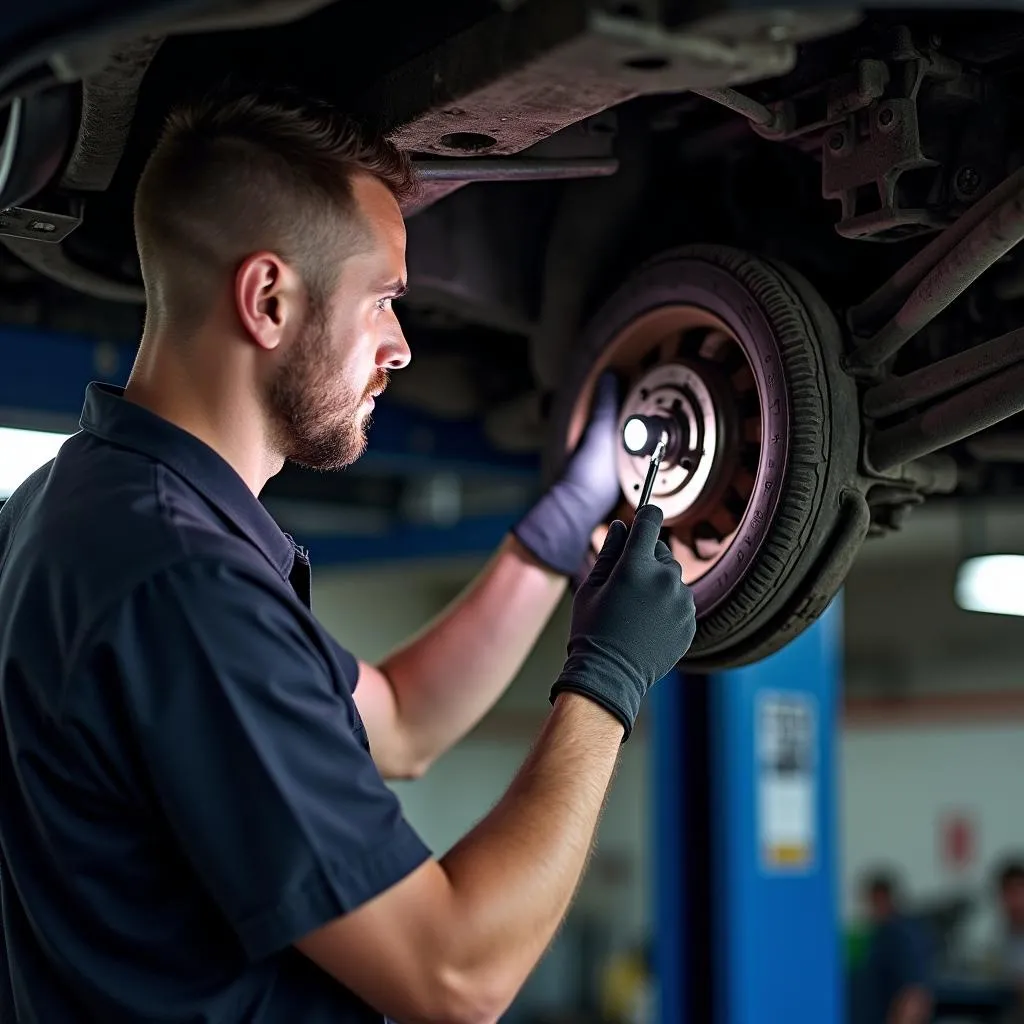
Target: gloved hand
632, 620
558, 528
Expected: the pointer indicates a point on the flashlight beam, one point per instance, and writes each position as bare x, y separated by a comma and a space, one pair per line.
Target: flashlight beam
635, 435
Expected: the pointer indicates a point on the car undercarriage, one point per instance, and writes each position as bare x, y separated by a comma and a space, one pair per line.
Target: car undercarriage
793, 231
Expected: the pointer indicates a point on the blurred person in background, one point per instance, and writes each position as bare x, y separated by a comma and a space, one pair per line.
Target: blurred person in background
1009, 950
892, 984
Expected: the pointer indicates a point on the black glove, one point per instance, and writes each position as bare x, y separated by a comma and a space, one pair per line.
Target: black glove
632, 620
557, 530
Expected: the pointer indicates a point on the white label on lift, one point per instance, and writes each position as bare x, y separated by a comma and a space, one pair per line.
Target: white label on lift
787, 781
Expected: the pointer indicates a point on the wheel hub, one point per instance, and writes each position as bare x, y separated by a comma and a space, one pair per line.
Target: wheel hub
686, 362
678, 392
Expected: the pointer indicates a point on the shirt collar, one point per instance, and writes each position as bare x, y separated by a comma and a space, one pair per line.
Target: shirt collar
110, 416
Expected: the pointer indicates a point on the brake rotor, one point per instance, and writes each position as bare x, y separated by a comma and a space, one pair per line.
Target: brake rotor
685, 362
673, 391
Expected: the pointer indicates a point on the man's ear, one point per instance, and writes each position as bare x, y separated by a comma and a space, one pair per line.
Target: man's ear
268, 294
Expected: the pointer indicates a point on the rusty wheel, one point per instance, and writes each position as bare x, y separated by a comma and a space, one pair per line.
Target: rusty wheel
760, 492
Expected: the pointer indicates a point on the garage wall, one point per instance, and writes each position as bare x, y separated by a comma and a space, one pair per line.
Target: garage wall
371, 609
897, 783
939, 727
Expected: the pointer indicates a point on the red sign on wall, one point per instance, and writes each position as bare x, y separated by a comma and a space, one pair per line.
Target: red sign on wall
957, 840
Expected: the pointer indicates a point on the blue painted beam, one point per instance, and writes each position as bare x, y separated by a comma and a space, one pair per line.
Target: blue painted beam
680, 786
477, 535
44, 374
746, 910
666, 710
776, 936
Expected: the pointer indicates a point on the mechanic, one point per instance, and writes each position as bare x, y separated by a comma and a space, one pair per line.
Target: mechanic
194, 822
1008, 953
894, 983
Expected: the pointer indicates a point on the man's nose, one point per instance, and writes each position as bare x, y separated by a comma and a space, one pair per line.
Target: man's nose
396, 353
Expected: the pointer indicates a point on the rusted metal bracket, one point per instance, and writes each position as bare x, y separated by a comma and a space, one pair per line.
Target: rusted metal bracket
521, 75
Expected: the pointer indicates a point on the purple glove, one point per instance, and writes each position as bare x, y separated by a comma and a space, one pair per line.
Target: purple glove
557, 530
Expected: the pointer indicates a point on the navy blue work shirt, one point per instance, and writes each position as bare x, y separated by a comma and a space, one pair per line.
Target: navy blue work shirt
186, 787
898, 957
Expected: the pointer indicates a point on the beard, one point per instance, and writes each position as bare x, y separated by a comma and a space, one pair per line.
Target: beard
315, 413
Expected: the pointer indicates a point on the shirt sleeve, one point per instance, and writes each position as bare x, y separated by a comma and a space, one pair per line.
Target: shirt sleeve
907, 955
255, 756
348, 664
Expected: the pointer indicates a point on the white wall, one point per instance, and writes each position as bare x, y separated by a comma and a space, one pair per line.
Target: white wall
908, 643
896, 783
370, 609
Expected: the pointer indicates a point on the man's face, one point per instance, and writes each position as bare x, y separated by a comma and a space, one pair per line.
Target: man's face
1012, 899
322, 394
878, 904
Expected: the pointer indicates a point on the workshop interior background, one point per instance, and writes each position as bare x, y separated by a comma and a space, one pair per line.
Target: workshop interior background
931, 725
930, 721
932, 743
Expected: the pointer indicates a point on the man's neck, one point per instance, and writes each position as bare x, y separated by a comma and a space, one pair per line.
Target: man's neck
209, 402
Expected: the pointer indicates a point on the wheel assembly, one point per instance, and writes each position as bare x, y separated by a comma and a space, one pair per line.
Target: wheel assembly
736, 362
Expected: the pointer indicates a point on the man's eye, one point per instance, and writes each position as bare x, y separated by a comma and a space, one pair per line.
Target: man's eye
384, 305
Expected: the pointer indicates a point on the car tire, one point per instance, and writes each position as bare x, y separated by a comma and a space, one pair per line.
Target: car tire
807, 514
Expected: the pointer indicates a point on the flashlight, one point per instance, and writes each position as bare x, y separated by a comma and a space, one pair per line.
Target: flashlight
649, 435
641, 434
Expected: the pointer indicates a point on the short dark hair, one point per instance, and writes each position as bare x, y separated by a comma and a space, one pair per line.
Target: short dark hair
880, 882
236, 172
1009, 872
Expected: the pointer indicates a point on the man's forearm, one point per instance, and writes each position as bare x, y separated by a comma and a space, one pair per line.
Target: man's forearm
515, 874
913, 1005
454, 940
450, 675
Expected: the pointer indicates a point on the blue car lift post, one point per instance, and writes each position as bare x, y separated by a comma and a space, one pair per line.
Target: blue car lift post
746, 916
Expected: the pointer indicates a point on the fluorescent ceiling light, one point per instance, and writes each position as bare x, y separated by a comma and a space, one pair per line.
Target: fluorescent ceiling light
22, 452
992, 583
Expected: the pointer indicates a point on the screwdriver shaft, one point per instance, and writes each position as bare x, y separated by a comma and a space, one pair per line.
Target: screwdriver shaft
652, 471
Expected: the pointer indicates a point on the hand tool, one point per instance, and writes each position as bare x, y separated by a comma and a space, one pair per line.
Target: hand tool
652, 469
